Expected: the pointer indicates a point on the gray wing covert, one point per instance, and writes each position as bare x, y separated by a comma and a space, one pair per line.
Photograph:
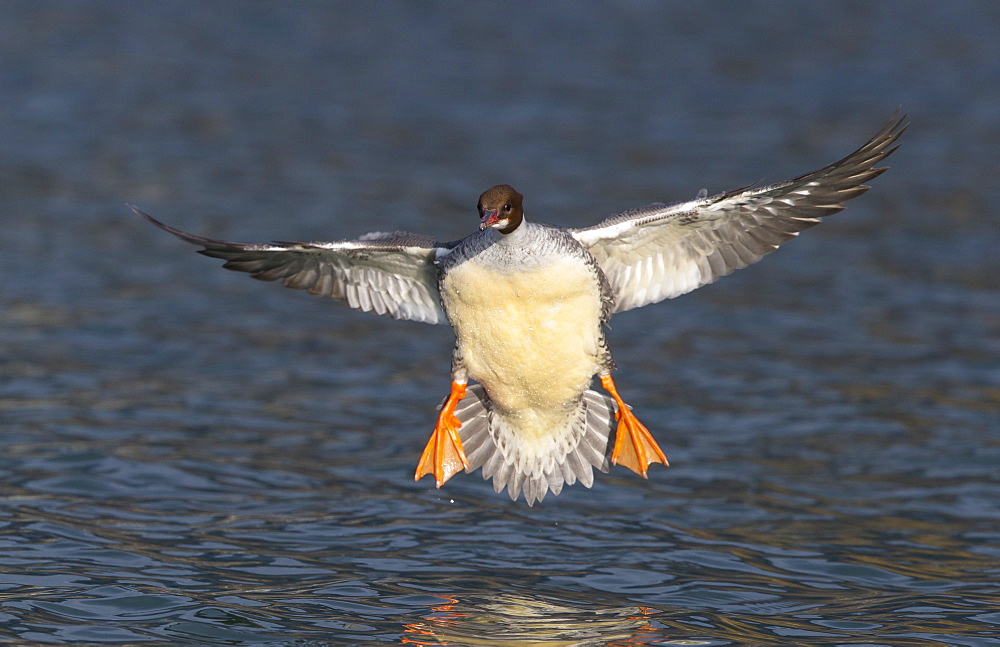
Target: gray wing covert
662, 251
385, 273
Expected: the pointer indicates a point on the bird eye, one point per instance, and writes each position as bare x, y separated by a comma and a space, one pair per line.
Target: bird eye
506, 207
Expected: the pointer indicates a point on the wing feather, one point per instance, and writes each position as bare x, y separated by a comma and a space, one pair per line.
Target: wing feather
383, 273
661, 251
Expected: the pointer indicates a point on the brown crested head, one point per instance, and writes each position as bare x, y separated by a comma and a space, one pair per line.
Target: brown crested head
501, 208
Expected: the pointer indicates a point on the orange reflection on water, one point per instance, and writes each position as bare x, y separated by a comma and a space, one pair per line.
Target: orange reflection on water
517, 619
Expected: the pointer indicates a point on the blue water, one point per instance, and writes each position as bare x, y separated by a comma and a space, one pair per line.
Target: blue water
191, 456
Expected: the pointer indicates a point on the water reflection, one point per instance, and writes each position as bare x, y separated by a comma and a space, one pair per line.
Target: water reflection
519, 619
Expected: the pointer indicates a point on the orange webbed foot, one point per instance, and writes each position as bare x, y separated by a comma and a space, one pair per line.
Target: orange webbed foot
635, 447
443, 456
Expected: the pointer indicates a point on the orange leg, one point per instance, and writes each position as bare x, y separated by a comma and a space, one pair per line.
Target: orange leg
443, 456
634, 445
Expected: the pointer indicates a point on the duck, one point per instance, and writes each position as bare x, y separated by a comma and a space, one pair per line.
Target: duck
529, 304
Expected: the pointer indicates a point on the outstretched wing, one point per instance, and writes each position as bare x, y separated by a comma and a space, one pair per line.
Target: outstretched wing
661, 251
385, 273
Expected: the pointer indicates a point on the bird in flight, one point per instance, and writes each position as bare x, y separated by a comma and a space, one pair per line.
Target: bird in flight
529, 303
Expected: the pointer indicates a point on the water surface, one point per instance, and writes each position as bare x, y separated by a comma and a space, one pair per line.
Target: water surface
191, 456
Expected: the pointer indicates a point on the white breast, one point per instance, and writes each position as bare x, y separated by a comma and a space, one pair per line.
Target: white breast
531, 337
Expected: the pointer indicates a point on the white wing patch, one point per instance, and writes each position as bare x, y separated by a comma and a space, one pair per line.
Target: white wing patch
661, 251
384, 273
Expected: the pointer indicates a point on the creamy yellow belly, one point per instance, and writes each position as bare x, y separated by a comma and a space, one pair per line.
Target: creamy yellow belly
531, 338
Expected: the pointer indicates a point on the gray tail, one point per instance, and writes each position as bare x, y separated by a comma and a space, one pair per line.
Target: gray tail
570, 457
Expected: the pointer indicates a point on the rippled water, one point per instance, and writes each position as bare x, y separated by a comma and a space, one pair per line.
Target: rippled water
189, 456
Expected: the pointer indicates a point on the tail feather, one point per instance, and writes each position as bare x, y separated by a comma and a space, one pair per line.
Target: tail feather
568, 475
570, 455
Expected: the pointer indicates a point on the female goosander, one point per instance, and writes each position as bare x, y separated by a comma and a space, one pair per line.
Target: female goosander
529, 303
